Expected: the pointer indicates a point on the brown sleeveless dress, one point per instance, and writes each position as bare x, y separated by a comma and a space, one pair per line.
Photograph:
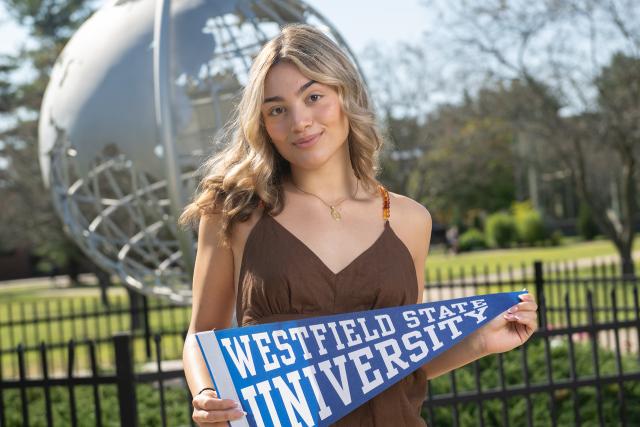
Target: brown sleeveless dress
282, 279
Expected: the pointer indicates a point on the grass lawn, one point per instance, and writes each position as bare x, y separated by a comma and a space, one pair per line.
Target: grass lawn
30, 319
441, 268
492, 260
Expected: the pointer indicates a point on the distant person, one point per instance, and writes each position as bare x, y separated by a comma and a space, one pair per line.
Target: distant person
452, 239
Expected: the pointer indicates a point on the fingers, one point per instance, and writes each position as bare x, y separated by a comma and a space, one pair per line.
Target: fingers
205, 424
527, 318
210, 402
209, 411
523, 306
527, 297
528, 304
522, 317
203, 417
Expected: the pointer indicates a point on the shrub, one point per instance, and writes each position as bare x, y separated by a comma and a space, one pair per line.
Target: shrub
529, 224
147, 396
500, 230
555, 239
531, 228
472, 239
587, 227
488, 368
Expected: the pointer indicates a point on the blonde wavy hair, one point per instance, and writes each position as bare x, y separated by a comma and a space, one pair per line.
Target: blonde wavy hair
249, 169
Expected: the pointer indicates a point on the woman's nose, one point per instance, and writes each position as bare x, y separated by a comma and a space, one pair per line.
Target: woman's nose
301, 118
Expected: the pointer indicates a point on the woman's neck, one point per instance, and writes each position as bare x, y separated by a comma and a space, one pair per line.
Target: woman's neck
327, 184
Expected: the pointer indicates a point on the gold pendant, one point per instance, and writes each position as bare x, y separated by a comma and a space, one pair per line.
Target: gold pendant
335, 214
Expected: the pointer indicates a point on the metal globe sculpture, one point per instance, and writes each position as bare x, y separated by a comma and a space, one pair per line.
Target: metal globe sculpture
134, 101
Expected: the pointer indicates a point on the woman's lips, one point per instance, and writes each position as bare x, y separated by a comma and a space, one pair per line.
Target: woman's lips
308, 142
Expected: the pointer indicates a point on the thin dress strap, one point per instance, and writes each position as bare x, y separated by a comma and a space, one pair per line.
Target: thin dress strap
386, 206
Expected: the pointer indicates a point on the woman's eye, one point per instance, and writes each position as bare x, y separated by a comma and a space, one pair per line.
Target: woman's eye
315, 97
275, 111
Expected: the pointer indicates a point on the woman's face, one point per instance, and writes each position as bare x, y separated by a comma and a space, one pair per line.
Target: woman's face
303, 118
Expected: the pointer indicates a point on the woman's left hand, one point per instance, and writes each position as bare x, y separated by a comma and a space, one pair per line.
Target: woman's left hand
511, 329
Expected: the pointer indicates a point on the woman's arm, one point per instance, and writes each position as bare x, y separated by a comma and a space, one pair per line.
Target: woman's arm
211, 308
461, 354
213, 299
503, 333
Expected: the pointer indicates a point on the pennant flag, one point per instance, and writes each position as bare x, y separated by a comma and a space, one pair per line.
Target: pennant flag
313, 371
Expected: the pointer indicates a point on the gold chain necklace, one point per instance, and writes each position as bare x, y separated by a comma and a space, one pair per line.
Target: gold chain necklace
334, 212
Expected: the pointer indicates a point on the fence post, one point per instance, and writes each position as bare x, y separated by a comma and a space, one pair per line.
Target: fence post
539, 281
135, 310
147, 326
125, 380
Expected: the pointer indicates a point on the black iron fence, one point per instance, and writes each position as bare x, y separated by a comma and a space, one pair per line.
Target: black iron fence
56, 321
565, 375
581, 367
101, 396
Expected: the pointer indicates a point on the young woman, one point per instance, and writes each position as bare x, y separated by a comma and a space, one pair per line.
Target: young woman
293, 223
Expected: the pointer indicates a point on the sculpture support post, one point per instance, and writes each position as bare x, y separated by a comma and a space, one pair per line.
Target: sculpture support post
164, 126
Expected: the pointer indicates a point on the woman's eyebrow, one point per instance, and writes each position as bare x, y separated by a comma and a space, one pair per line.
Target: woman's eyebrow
279, 98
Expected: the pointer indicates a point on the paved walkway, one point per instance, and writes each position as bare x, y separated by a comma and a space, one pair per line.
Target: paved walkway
60, 286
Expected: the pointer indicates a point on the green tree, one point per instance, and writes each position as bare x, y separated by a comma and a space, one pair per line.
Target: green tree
400, 160
28, 217
583, 102
459, 159
470, 166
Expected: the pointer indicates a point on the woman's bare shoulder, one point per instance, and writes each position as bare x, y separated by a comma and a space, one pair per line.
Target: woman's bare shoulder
408, 209
211, 224
411, 222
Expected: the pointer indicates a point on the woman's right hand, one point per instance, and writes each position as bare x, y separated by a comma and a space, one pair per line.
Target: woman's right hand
209, 411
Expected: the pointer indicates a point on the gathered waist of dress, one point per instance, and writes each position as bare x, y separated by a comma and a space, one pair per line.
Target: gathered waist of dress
283, 317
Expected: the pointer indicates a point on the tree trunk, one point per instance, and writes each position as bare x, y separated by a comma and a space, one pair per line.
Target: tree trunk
628, 211
626, 261
619, 229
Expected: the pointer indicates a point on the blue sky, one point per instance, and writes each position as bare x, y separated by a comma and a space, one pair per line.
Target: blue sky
362, 21
359, 21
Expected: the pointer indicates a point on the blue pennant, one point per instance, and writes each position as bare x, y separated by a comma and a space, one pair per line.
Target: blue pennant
314, 371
